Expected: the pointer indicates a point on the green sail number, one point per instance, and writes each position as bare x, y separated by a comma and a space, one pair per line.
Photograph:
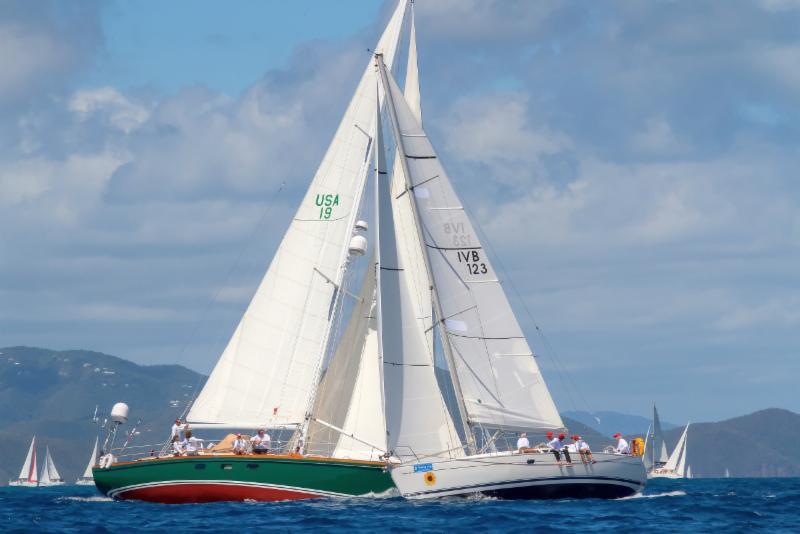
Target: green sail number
326, 203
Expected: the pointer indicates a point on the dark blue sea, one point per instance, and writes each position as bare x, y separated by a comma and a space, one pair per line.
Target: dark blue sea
698, 505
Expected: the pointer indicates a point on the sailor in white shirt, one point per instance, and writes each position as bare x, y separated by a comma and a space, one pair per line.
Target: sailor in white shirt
583, 449
239, 445
191, 444
558, 446
261, 442
622, 445
176, 428
523, 445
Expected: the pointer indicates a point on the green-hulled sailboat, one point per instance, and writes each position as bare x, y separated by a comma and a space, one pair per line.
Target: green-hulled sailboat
289, 367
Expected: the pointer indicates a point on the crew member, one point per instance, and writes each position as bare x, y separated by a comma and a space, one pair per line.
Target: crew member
191, 444
260, 442
523, 445
622, 445
583, 449
176, 428
558, 446
239, 444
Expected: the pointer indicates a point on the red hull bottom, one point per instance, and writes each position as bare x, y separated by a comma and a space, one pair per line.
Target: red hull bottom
197, 493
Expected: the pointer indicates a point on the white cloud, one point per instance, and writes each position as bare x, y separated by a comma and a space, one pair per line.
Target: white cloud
123, 112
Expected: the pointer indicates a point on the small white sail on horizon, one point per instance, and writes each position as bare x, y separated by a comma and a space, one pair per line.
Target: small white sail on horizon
49, 475
87, 478
28, 475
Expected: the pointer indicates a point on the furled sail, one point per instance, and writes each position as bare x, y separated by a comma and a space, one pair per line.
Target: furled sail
28, 471
417, 421
500, 381
267, 374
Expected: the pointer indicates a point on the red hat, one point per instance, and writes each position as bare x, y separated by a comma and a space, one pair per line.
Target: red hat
617, 435
576, 437
549, 434
562, 436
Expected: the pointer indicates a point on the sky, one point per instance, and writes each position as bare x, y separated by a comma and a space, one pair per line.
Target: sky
633, 165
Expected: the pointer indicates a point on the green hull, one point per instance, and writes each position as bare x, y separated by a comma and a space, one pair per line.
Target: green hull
235, 478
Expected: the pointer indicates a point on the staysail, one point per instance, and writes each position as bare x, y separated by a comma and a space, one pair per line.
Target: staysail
418, 423
501, 384
267, 374
28, 471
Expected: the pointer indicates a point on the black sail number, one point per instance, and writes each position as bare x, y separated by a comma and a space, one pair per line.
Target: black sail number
473, 261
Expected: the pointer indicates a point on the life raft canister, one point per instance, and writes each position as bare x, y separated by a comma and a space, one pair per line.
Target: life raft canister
637, 447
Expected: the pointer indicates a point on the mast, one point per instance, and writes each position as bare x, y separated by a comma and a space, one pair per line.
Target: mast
462, 410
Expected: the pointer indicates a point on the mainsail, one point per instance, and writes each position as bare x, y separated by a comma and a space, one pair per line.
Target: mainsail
267, 374
418, 423
677, 460
659, 445
46, 477
500, 382
28, 471
87, 473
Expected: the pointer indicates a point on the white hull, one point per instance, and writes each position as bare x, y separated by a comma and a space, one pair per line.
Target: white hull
51, 483
84, 482
522, 476
22, 483
665, 474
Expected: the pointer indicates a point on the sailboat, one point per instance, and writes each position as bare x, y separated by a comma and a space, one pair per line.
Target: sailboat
28, 476
727, 473
498, 388
298, 364
87, 479
675, 466
50, 475
655, 450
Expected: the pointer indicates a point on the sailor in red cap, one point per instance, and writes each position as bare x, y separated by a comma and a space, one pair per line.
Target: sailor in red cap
622, 445
583, 449
558, 446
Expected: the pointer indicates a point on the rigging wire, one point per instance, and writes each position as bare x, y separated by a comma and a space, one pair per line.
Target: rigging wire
567, 382
216, 294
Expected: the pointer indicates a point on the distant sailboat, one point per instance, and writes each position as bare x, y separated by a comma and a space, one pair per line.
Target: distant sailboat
727, 473
28, 476
675, 467
689, 472
87, 479
50, 475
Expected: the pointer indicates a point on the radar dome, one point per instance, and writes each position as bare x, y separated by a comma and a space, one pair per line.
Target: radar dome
119, 413
358, 245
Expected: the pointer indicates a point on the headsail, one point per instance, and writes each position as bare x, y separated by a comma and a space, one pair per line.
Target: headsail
418, 423
28, 471
87, 473
501, 383
677, 460
267, 373
45, 478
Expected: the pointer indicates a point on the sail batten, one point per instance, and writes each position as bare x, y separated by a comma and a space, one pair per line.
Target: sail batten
267, 374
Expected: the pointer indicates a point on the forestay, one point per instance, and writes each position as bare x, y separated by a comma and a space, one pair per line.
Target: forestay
418, 423
268, 371
501, 383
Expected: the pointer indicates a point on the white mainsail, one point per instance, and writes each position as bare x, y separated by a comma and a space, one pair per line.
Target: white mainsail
44, 478
28, 471
677, 460
500, 381
267, 374
659, 445
418, 423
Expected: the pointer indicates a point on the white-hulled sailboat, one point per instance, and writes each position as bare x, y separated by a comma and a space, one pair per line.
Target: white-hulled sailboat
655, 454
675, 467
28, 475
87, 479
50, 475
434, 275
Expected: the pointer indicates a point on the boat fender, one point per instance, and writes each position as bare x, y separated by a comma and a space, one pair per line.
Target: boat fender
429, 478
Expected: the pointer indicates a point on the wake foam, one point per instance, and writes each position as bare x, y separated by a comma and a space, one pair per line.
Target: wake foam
93, 498
677, 493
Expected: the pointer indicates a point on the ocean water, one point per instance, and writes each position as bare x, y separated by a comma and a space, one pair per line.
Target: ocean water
699, 505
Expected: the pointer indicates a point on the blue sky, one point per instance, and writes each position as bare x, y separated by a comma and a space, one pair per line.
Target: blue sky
634, 165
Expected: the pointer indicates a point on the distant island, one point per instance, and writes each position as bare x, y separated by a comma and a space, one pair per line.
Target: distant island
53, 394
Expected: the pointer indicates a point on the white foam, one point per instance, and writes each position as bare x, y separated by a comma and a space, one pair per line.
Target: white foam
676, 493
93, 498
